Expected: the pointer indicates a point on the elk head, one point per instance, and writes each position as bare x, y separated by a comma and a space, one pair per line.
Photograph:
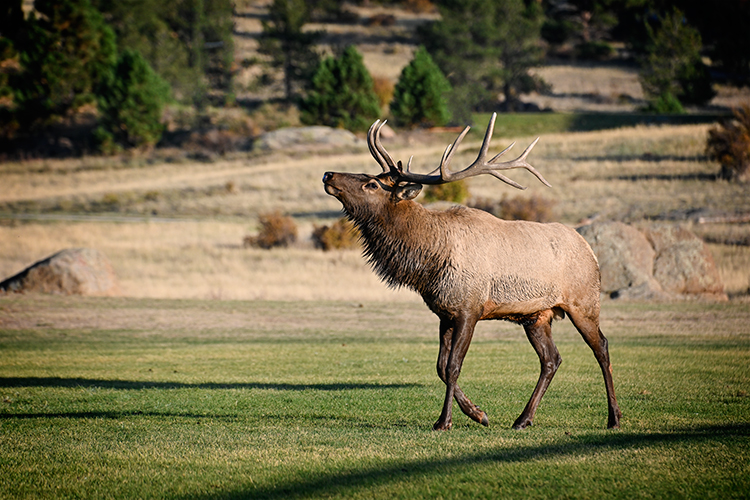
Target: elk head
361, 193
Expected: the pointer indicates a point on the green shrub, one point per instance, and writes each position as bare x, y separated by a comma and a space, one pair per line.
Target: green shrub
131, 100
339, 236
665, 103
341, 94
276, 230
595, 50
729, 144
419, 98
456, 192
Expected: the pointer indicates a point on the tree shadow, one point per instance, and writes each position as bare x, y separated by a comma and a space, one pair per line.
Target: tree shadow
645, 157
145, 384
112, 415
338, 483
584, 122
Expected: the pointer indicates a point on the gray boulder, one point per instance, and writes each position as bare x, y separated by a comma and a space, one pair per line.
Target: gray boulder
315, 138
660, 263
626, 260
75, 271
683, 264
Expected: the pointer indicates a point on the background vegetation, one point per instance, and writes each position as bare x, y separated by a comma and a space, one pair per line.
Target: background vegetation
56, 55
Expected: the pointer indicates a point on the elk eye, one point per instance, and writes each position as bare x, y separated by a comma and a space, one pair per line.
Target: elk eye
372, 186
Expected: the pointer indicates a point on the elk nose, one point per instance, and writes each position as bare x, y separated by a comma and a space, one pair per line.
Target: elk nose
327, 176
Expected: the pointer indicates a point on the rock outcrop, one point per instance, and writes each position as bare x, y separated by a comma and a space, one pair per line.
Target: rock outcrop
308, 138
75, 271
660, 263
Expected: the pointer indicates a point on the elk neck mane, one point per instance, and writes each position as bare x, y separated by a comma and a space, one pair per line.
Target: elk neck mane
406, 245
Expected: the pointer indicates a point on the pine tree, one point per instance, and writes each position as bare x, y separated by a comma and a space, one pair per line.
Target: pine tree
288, 47
341, 93
189, 43
672, 72
131, 101
64, 54
485, 48
419, 98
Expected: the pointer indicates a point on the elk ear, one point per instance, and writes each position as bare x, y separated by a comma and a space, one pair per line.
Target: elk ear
408, 191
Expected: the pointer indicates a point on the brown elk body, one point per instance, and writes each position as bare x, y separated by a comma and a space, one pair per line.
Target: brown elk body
469, 266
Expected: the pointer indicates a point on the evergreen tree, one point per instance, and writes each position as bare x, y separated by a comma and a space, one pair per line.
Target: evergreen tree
485, 48
288, 47
672, 71
187, 42
63, 54
420, 94
131, 100
341, 93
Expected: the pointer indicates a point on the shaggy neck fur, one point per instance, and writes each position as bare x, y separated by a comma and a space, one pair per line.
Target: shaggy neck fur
400, 245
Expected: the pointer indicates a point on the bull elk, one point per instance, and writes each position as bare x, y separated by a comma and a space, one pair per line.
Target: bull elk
469, 266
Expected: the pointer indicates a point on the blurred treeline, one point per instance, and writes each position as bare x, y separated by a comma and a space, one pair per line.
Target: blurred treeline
78, 76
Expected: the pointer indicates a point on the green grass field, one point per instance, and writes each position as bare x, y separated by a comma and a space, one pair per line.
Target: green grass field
521, 124
134, 398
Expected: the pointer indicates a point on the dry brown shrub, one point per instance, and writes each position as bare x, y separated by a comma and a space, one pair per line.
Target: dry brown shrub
276, 230
383, 88
381, 20
729, 144
421, 6
536, 208
341, 235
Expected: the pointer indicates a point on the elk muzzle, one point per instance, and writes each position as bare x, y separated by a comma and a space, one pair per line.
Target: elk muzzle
329, 187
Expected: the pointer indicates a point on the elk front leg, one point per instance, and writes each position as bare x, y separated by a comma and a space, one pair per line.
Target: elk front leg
540, 336
455, 337
446, 342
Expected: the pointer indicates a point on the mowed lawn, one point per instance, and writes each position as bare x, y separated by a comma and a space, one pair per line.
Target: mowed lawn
137, 398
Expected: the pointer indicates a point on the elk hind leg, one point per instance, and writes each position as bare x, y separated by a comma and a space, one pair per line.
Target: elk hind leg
539, 334
588, 327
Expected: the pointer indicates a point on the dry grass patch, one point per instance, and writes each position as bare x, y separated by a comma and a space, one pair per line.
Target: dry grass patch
630, 175
192, 259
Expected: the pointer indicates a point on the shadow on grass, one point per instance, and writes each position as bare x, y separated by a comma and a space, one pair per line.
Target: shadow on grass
137, 385
585, 122
645, 157
348, 482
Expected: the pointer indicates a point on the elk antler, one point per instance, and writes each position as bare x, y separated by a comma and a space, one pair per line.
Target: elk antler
441, 174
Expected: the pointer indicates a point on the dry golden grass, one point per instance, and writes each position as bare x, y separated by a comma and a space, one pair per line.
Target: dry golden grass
199, 259
627, 174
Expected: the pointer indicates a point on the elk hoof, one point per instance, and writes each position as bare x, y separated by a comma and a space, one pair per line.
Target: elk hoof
521, 424
485, 421
613, 422
442, 426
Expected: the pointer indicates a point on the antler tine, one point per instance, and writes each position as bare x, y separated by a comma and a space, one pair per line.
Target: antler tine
371, 146
519, 162
448, 155
383, 152
482, 166
376, 147
441, 174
